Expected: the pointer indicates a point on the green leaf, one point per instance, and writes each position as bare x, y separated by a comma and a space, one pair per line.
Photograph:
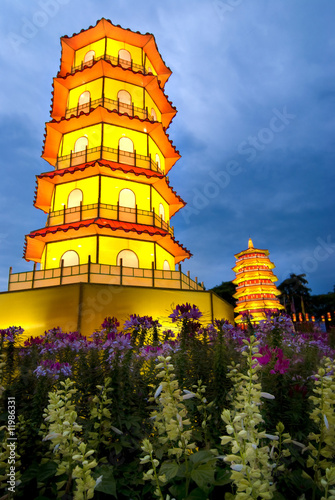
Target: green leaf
203, 475
170, 469
46, 470
30, 473
278, 496
108, 483
197, 494
223, 477
229, 496
202, 456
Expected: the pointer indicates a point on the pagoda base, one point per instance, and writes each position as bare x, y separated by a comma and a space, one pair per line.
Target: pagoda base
83, 306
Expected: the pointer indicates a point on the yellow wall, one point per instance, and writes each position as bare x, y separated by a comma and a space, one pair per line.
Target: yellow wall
149, 103
153, 149
110, 190
98, 47
89, 187
112, 88
85, 306
93, 135
113, 47
112, 134
110, 247
161, 256
56, 249
95, 89
156, 200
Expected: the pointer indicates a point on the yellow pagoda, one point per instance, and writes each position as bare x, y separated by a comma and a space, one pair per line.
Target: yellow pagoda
107, 197
256, 292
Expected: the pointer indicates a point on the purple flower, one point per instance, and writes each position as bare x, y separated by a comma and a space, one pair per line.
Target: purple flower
185, 311
9, 334
53, 369
138, 323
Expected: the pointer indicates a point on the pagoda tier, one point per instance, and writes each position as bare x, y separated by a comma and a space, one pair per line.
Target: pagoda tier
108, 200
256, 291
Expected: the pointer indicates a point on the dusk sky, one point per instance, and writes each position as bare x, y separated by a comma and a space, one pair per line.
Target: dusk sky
254, 85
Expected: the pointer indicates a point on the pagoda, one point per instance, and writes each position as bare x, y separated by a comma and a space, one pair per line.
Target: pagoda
108, 198
256, 292
108, 247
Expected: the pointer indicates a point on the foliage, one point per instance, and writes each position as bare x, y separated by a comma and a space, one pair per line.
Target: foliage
138, 412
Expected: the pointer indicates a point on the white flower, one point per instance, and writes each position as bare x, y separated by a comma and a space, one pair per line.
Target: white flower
98, 481
326, 421
117, 431
158, 391
237, 467
266, 395
271, 436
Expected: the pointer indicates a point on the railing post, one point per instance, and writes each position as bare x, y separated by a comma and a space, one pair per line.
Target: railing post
180, 278
81, 211
86, 153
135, 158
118, 153
131, 64
146, 113
61, 272
118, 59
153, 217
136, 213
89, 269
78, 108
9, 275
34, 271
118, 210
132, 108
71, 158
150, 161
121, 266
64, 213
153, 273
118, 105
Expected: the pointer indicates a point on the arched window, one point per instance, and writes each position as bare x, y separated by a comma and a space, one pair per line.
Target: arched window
129, 258
70, 258
124, 58
161, 211
166, 266
126, 151
75, 198
89, 56
84, 101
80, 144
153, 115
127, 198
124, 97
126, 144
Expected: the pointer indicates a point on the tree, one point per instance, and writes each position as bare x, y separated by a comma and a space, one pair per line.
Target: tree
295, 294
226, 291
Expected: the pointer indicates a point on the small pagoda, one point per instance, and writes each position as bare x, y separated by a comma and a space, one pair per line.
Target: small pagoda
256, 292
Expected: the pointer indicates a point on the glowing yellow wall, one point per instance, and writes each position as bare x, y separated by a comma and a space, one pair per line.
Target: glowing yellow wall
149, 65
95, 89
161, 256
112, 134
150, 103
110, 247
112, 88
98, 47
113, 47
89, 187
156, 200
153, 149
83, 246
110, 190
93, 135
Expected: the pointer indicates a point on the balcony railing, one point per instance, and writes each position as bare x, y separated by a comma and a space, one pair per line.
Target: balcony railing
113, 212
115, 60
110, 104
110, 154
102, 274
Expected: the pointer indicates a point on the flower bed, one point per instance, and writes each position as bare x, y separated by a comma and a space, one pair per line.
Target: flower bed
141, 413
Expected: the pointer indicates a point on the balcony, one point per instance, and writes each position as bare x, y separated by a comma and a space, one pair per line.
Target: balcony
112, 212
102, 274
111, 105
110, 154
114, 60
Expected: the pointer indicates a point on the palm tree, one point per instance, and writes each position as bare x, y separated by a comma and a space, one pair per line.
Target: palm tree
294, 290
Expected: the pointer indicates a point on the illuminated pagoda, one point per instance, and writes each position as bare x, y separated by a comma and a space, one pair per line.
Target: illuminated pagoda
256, 292
107, 198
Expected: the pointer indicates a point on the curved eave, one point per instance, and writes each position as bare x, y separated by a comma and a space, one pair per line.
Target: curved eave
246, 277
103, 68
56, 129
105, 28
248, 291
251, 250
239, 268
36, 240
258, 304
46, 181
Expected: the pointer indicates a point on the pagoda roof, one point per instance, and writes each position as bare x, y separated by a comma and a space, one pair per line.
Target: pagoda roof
56, 128
103, 68
36, 240
46, 181
105, 28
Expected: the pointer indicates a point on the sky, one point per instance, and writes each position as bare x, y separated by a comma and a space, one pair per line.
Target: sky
253, 83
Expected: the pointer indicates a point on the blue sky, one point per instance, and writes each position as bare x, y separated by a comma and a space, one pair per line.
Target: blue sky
253, 82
